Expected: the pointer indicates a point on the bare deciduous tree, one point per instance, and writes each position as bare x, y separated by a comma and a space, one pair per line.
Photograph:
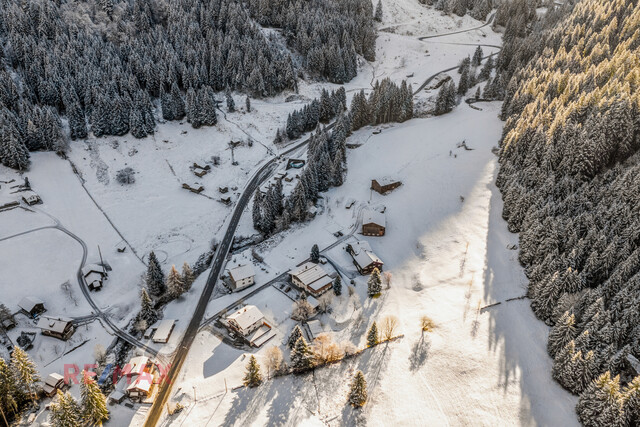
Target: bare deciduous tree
274, 360
302, 310
426, 324
388, 326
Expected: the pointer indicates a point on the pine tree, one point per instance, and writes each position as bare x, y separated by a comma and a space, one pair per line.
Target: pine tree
175, 286
301, 356
632, 402
337, 285
477, 56
26, 372
378, 13
247, 103
315, 254
10, 395
601, 404
187, 276
65, 411
231, 104
293, 338
155, 276
358, 390
372, 336
252, 377
147, 312
93, 402
13, 152
374, 283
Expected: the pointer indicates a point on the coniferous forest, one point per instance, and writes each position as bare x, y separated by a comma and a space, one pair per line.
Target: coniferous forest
74, 67
569, 179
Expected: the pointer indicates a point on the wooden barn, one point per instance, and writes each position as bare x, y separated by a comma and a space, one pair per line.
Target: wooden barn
384, 185
373, 223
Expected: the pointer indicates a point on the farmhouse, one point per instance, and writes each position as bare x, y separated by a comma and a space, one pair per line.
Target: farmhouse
250, 323
164, 330
373, 223
94, 276
242, 277
31, 198
52, 384
32, 306
311, 277
364, 258
56, 327
384, 185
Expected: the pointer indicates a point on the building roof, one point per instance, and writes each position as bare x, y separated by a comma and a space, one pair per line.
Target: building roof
89, 268
246, 316
136, 365
311, 275
93, 277
29, 303
53, 379
143, 383
363, 255
29, 194
164, 330
53, 324
373, 217
242, 272
386, 180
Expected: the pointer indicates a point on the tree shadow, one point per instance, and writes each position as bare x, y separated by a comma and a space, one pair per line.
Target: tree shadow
419, 354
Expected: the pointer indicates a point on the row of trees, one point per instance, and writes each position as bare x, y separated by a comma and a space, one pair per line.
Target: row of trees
326, 163
91, 410
328, 34
477, 9
324, 110
568, 172
387, 103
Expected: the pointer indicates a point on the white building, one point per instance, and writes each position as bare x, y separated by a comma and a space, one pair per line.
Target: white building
311, 277
30, 198
164, 330
242, 277
246, 320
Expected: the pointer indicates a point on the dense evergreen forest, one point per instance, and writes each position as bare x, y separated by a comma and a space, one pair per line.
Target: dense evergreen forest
102, 64
569, 178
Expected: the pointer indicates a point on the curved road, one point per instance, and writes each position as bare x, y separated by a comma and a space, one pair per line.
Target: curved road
265, 171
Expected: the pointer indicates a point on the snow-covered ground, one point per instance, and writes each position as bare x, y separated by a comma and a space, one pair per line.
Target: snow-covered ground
446, 248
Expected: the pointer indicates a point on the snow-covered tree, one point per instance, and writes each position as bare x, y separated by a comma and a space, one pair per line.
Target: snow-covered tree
296, 333
358, 390
187, 276
247, 103
26, 372
378, 13
372, 336
10, 394
374, 284
275, 360
602, 404
155, 276
65, 411
175, 285
93, 402
252, 376
147, 312
301, 356
337, 285
315, 254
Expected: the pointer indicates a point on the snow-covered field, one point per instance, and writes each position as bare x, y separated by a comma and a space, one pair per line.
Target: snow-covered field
446, 248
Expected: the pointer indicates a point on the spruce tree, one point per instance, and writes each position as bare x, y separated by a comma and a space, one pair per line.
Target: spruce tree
26, 372
187, 276
477, 57
65, 411
155, 276
175, 286
358, 390
378, 13
10, 394
13, 152
374, 285
373, 338
252, 377
337, 285
93, 402
231, 104
147, 312
301, 356
601, 404
315, 254
293, 337
632, 402
247, 103
560, 335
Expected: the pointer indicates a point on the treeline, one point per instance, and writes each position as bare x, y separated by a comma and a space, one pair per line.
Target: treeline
327, 33
306, 119
477, 9
568, 176
101, 63
387, 103
325, 167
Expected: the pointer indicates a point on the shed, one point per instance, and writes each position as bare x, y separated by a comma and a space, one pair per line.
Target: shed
116, 397
31, 198
52, 384
242, 276
56, 327
163, 333
384, 185
32, 306
373, 223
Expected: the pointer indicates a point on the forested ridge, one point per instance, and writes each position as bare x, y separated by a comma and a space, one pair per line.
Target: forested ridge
569, 175
106, 65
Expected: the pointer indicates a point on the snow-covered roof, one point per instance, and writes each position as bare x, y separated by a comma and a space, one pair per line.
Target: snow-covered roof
363, 255
386, 180
87, 269
142, 383
53, 379
164, 330
315, 327
311, 275
30, 195
29, 303
373, 217
93, 277
136, 365
53, 324
242, 272
246, 316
